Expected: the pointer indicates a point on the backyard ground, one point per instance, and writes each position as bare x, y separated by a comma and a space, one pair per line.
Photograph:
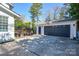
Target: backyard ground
38, 45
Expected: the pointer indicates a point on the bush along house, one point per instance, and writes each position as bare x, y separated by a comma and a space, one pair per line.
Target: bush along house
7, 17
64, 28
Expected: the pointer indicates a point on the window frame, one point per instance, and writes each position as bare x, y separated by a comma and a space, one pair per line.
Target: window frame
3, 23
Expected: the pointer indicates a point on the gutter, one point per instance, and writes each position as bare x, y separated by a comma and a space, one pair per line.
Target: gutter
10, 11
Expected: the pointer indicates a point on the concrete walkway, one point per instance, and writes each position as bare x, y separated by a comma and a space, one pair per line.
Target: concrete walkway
41, 46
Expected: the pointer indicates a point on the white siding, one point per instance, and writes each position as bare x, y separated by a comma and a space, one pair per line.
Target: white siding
10, 24
72, 30
42, 30
37, 30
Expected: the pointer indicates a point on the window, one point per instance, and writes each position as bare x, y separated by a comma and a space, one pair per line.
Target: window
3, 23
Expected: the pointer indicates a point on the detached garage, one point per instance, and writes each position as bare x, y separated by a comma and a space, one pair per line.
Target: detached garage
63, 28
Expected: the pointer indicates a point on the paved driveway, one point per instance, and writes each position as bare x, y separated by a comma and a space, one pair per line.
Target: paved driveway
41, 46
51, 45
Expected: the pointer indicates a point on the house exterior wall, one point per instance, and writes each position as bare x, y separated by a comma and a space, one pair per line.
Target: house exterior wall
37, 30
10, 24
42, 30
71, 23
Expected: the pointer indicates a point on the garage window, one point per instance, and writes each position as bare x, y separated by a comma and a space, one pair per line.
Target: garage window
3, 23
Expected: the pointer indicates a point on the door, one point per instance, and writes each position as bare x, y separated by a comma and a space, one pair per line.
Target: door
57, 30
39, 30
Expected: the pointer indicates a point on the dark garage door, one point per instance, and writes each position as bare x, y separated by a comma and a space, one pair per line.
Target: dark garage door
59, 30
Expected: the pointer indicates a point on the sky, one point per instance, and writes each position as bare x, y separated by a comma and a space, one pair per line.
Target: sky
23, 8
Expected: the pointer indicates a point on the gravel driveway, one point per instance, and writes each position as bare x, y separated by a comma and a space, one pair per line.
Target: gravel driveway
41, 46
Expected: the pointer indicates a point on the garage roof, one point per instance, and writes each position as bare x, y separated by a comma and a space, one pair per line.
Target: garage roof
49, 22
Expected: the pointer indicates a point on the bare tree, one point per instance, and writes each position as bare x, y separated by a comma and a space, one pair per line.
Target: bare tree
55, 11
